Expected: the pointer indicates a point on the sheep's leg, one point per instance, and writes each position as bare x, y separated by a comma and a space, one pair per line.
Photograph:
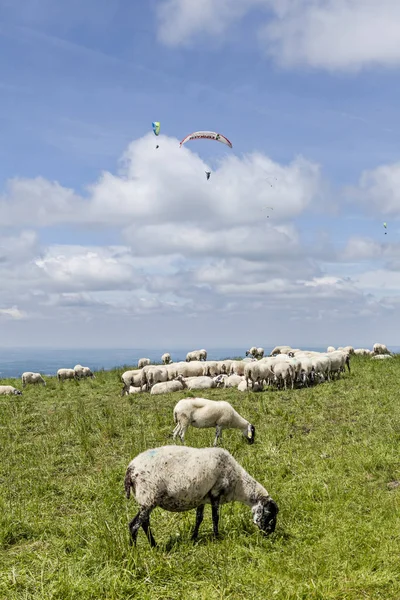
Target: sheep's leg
215, 514
199, 520
137, 521
176, 431
218, 434
147, 530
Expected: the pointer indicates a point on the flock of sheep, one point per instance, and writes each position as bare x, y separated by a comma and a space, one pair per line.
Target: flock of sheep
284, 367
181, 478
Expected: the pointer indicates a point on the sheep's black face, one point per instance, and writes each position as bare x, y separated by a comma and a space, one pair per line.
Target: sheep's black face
265, 515
251, 434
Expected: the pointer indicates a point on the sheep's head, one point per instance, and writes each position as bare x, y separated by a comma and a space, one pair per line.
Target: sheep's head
17, 392
265, 514
250, 433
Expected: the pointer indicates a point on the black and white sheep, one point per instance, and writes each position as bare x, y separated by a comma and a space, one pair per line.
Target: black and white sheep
9, 390
178, 479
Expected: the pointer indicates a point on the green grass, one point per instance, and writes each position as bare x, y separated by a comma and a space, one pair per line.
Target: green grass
326, 455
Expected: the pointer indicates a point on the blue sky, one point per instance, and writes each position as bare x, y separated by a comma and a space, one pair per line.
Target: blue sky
80, 85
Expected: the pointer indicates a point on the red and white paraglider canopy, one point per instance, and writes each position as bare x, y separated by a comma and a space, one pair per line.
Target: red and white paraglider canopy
206, 135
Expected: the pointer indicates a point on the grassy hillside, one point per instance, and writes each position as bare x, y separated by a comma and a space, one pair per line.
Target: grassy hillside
325, 454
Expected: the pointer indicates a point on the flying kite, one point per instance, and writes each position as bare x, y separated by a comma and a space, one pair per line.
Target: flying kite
156, 129
206, 135
208, 173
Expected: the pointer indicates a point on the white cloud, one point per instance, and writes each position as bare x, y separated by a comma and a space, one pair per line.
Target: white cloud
14, 313
191, 251
328, 34
379, 190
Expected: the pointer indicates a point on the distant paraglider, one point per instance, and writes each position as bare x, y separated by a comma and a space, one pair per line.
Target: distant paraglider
385, 226
208, 173
156, 129
267, 208
206, 135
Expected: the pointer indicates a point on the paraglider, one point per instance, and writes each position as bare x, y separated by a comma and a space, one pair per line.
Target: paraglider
156, 129
208, 173
385, 226
267, 208
206, 135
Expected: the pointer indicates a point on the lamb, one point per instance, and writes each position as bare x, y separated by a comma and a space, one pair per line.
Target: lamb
143, 362
9, 390
30, 377
200, 383
166, 358
63, 374
167, 387
179, 479
203, 413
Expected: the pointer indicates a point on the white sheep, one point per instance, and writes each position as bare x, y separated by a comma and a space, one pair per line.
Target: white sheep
191, 369
30, 377
281, 349
167, 387
133, 378
203, 413
284, 373
233, 381
143, 362
83, 372
331, 349
381, 356
380, 349
166, 358
63, 374
136, 389
9, 390
200, 383
178, 478
152, 375
252, 351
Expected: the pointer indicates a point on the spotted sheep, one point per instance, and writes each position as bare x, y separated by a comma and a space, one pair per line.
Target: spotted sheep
180, 478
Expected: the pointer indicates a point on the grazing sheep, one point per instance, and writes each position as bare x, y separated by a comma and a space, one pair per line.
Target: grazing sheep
281, 350
191, 369
83, 372
211, 368
63, 374
8, 390
166, 387
88, 373
143, 362
203, 413
30, 377
179, 479
131, 378
252, 351
153, 375
200, 383
203, 354
381, 356
380, 349
166, 358
284, 373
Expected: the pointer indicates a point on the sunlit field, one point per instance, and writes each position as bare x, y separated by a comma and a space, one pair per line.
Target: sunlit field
328, 455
